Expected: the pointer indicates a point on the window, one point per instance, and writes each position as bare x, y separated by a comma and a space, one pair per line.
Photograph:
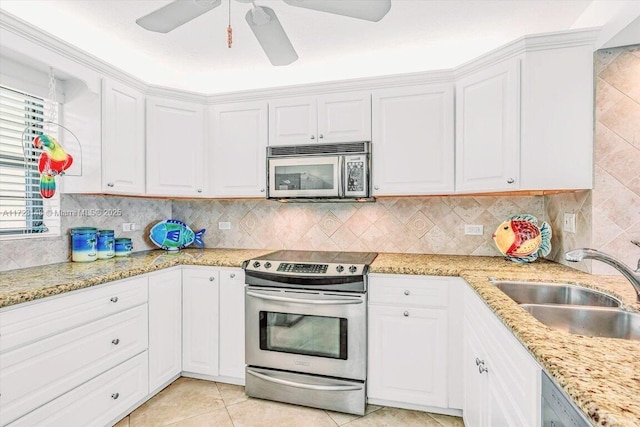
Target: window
23, 211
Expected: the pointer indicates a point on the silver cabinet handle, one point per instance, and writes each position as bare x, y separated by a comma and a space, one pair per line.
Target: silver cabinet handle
110, 184
114, 299
232, 275
306, 301
482, 369
406, 314
305, 386
114, 396
211, 279
375, 187
321, 136
262, 190
478, 362
199, 190
313, 137
511, 181
115, 342
406, 292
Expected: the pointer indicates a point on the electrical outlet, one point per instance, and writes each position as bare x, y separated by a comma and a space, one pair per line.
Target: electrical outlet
224, 226
569, 224
473, 230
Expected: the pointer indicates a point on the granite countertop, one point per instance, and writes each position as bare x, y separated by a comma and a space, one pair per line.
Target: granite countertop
602, 375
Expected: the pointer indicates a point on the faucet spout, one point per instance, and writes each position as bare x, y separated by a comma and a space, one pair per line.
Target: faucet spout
633, 276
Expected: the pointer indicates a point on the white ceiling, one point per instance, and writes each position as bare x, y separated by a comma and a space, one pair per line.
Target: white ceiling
416, 35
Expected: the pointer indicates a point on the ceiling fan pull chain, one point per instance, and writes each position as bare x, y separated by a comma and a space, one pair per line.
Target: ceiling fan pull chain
229, 30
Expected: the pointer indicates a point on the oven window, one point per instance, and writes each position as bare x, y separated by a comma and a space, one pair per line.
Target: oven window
302, 334
305, 177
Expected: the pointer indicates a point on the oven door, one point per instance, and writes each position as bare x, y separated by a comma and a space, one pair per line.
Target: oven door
304, 331
314, 176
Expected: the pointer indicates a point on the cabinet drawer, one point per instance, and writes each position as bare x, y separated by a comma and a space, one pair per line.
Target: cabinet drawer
51, 316
34, 374
98, 402
408, 290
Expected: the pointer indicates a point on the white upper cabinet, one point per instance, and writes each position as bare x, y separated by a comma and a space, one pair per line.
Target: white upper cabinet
488, 129
412, 140
123, 139
237, 149
332, 118
175, 148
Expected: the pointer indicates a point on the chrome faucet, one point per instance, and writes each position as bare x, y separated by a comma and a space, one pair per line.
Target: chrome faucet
633, 276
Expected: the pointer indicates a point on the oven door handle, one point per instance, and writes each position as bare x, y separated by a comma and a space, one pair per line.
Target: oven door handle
305, 301
302, 385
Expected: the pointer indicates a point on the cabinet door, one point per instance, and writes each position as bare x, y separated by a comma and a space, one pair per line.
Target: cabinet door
175, 148
165, 332
238, 149
200, 321
403, 368
232, 323
488, 129
476, 384
412, 140
123, 145
344, 117
293, 121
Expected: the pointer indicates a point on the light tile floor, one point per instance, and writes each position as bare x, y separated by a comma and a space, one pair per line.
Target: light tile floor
195, 403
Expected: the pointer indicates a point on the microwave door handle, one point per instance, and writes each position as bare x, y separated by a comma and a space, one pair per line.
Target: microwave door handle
305, 301
341, 177
302, 385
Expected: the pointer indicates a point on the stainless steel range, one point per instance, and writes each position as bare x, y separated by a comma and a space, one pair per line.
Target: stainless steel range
306, 328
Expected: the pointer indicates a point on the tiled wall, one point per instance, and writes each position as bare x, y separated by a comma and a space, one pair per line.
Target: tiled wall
616, 196
31, 252
399, 224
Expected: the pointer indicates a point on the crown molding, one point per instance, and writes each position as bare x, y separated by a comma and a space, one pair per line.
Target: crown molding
39, 37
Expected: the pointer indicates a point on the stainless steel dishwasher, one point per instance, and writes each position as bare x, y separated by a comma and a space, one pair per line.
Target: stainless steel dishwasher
557, 409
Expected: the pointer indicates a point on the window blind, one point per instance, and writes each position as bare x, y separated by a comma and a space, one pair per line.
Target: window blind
22, 208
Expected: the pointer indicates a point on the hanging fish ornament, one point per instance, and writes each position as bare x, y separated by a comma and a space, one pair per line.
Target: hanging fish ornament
173, 235
520, 239
52, 162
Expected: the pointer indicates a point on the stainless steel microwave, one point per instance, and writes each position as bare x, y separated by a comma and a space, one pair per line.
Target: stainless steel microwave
319, 172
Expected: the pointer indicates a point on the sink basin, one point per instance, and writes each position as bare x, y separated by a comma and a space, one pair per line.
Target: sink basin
590, 321
555, 293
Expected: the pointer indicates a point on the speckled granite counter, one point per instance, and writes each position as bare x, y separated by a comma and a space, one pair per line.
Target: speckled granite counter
602, 375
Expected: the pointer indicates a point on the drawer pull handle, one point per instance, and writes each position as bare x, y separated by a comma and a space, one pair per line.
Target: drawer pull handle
406, 314
407, 292
510, 181
114, 299
232, 275
110, 184
115, 342
114, 396
211, 279
482, 368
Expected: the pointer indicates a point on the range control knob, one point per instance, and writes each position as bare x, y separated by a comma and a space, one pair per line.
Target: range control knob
339, 269
256, 264
352, 269
267, 264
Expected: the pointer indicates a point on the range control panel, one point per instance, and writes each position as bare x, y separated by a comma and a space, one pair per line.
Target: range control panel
305, 269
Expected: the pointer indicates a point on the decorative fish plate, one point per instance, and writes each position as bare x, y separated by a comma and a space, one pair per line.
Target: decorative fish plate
520, 239
173, 235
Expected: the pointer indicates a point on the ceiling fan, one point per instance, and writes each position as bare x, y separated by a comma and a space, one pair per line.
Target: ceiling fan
262, 20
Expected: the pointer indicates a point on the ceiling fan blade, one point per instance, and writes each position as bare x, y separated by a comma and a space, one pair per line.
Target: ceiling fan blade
176, 13
274, 41
368, 10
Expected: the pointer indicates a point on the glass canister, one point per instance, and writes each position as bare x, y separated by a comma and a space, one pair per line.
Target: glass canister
123, 246
106, 244
84, 243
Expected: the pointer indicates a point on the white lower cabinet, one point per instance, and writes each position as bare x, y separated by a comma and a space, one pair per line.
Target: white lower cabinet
98, 402
165, 327
502, 380
232, 324
213, 323
200, 300
409, 341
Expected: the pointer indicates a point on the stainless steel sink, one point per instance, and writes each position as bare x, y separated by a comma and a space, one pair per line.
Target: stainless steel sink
590, 321
555, 293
